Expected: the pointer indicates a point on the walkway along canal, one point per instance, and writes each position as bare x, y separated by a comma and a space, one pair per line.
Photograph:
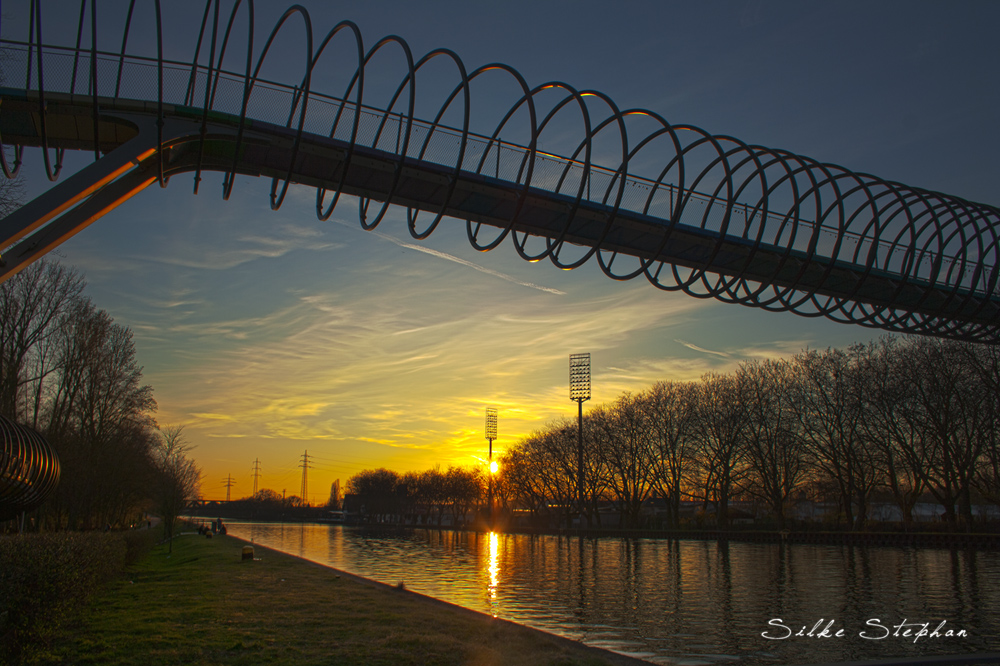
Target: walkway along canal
685, 602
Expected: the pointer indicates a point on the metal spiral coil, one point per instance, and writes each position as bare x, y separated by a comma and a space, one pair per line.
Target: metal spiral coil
29, 469
809, 223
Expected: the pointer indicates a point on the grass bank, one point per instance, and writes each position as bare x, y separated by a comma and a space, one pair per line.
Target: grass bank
203, 605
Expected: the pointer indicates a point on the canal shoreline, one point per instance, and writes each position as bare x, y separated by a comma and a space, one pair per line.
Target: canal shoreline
617, 658
202, 600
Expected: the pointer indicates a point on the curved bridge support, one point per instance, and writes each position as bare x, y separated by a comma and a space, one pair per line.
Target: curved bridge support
75, 203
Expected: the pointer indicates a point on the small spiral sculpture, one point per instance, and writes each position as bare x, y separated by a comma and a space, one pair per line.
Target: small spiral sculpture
815, 239
29, 469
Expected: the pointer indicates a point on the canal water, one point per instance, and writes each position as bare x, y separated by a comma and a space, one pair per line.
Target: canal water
684, 602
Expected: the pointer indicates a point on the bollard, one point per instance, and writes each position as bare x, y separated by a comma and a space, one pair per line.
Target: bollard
247, 552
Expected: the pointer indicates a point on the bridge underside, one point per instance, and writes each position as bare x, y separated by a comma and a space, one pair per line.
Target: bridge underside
129, 142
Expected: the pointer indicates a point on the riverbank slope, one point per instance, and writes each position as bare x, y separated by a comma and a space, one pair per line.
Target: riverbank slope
202, 604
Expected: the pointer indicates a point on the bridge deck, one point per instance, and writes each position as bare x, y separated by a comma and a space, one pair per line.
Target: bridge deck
267, 151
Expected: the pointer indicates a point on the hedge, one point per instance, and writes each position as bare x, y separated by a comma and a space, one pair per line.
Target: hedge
45, 578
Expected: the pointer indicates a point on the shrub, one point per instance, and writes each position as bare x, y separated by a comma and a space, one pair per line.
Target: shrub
44, 578
137, 544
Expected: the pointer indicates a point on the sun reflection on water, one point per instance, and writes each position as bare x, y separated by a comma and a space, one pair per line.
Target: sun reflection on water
494, 571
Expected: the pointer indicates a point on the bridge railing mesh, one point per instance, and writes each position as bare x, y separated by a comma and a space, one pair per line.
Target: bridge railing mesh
891, 245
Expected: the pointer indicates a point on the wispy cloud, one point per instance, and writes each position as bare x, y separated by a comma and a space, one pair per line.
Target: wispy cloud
343, 374
774, 350
702, 349
287, 238
468, 264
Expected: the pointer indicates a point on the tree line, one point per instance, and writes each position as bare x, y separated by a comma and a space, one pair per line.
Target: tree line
906, 418
898, 417
70, 372
383, 495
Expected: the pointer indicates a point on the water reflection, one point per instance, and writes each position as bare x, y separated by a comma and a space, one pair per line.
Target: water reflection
678, 602
494, 568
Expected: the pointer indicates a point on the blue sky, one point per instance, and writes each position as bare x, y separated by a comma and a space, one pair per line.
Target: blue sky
270, 333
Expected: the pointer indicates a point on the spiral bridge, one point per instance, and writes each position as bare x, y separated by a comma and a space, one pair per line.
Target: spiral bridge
29, 469
707, 215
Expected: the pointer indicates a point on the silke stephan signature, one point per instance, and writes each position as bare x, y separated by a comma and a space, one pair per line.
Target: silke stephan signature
875, 630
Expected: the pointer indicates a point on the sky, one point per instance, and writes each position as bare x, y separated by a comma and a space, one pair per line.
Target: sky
269, 334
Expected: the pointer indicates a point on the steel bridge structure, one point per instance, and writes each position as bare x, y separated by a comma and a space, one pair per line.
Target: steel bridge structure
707, 215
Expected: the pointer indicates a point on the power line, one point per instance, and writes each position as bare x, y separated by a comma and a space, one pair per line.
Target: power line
314, 462
305, 476
256, 475
229, 481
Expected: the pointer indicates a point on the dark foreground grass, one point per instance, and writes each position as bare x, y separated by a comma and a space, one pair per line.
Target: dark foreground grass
203, 605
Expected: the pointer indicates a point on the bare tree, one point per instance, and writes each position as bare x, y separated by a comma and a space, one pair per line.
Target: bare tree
31, 306
774, 448
519, 475
553, 457
177, 477
464, 489
68, 370
81, 334
98, 415
985, 362
432, 490
622, 434
504, 490
889, 392
720, 419
829, 407
671, 412
954, 416
542, 468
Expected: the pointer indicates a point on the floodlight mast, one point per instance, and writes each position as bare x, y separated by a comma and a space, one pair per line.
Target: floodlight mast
579, 391
491, 434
